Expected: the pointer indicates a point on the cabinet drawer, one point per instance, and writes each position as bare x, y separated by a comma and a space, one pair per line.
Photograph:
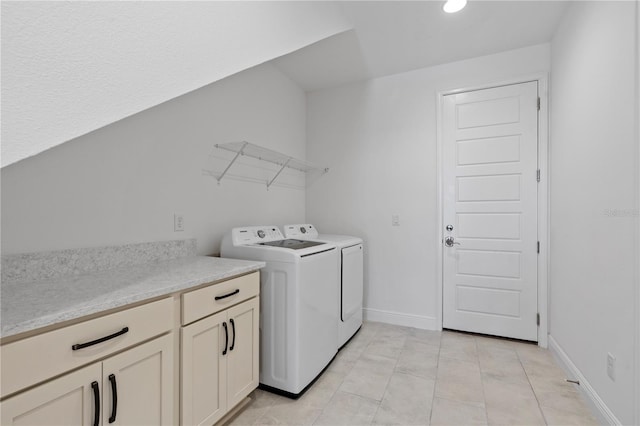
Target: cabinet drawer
209, 300
35, 359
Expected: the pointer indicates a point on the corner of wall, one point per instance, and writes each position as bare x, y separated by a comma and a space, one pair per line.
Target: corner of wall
589, 394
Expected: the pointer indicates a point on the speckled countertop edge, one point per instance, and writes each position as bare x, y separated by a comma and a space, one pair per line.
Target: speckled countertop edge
30, 306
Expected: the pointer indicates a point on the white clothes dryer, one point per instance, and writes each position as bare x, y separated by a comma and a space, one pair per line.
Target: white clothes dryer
298, 313
350, 277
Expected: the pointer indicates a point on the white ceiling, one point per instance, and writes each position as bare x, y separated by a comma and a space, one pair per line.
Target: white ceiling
71, 67
390, 37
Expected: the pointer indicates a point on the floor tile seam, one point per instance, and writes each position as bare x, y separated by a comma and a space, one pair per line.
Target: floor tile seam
406, 373
459, 360
535, 394
484, 398
318, 414
375, 401
386, 386
462, 401
417, 340
435, 382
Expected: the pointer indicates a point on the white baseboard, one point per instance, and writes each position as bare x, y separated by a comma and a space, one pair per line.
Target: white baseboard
598, 406
397, 318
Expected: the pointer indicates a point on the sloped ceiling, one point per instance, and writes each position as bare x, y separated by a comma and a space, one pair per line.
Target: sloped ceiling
390, 37
69, 68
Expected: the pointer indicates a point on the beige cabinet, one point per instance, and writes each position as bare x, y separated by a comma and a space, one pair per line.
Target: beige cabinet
33, 360
203, 371
242, 362
120, 368
68, 400
137, 385
132, 388
219, 362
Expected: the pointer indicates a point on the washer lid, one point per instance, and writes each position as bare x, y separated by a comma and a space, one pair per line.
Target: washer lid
292, 244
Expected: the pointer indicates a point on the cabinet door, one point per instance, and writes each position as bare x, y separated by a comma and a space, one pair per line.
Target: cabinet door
242, 362
203, 398
66, 401
138, 385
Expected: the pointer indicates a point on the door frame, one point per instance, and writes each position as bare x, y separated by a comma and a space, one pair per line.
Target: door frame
543, 195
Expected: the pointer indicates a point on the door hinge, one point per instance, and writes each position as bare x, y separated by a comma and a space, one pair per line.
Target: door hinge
538, 103
538, 319
538, 247
538, 175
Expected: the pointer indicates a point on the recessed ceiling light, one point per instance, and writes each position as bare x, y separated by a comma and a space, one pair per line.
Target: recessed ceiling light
453, 6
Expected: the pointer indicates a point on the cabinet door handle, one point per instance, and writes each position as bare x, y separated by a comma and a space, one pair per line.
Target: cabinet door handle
114, 398
96, 403
226, 338
100, 340
233, 329
224, 296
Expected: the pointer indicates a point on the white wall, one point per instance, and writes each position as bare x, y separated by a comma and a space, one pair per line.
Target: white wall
594, 164
123, 183
72, 67
379, 140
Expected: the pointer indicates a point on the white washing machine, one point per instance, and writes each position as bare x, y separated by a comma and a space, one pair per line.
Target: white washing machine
350, 276
298, 313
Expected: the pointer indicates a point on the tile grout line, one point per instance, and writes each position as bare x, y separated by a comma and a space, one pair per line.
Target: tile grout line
388, 381
484, 398
435, 382
535, 395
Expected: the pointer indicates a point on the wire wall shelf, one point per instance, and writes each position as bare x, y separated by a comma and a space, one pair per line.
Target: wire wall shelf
282, 161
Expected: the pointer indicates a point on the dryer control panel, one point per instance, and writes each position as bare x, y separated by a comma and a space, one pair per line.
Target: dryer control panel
255, 234
306, 232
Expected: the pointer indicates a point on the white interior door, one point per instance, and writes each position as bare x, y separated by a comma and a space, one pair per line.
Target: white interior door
490, 162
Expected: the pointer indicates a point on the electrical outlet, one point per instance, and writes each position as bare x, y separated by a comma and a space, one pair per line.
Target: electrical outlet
178, 222
395, 220
611, 366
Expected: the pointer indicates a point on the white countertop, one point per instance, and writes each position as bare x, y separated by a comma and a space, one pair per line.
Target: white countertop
29, 306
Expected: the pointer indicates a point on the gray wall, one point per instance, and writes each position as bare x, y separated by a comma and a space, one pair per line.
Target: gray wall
124, 182
594, 194
379, 139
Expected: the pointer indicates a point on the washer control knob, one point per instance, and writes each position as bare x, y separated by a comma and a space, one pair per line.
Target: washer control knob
261, 233
449, 228
303, 229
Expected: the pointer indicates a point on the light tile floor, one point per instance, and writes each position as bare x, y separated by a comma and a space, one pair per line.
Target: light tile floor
399, 375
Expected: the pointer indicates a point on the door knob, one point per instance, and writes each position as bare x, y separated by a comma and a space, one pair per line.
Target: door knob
449, 228
450, 241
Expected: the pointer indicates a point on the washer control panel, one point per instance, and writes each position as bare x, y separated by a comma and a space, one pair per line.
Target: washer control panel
306, 231
255, 234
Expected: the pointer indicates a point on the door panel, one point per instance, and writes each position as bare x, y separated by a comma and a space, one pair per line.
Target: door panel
203, 375
143, 379
66, 401
242, 364
503, 149
489, 226
490, 154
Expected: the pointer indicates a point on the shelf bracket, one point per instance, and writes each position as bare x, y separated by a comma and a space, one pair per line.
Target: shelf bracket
279, 171
239, 153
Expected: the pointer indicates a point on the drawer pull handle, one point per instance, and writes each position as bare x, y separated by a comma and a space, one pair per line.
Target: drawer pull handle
226, 338
233, 329
224, 296
114, 398
96, 403
100, 340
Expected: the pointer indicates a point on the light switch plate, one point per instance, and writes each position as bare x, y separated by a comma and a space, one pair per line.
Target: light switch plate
178, 222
